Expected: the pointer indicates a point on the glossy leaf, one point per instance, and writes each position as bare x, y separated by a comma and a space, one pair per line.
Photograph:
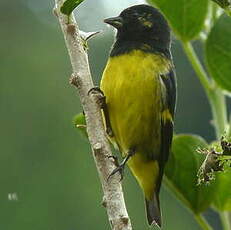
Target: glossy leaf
185, 17
181, 172
218, 52
69, 5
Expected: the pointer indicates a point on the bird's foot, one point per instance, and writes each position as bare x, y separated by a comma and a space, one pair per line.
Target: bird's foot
95, 89
101, 100
119, 169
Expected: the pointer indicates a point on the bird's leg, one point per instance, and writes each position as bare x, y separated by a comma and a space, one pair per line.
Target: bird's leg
103, 106
121, 166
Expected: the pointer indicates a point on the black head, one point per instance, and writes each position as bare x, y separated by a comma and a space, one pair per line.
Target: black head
141, 25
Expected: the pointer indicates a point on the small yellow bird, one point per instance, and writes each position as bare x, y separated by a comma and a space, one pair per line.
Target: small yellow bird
139, 85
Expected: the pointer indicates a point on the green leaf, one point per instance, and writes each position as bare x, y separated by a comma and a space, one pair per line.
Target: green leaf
80, 123
181, 172
69, 5
218, 52
222, 199
185, 17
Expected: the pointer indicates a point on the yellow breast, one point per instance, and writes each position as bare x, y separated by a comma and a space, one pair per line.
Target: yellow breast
132, 87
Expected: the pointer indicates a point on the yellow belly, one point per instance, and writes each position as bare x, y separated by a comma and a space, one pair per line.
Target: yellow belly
146, 173
132, 87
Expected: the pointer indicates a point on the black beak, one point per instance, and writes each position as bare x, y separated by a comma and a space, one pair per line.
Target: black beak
116, 22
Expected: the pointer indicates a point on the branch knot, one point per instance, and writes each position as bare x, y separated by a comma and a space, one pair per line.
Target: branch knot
97, 148
71, 29
75, 80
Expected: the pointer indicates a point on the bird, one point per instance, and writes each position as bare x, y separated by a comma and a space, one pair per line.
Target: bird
139, 87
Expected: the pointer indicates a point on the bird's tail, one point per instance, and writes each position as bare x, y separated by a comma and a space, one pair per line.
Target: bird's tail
153, 210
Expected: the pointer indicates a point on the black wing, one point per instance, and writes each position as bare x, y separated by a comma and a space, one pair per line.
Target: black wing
167, 117
169, 81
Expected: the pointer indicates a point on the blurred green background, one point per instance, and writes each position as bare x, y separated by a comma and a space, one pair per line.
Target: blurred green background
47, 175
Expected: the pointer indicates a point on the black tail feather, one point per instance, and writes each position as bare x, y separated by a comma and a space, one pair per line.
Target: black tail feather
153, 210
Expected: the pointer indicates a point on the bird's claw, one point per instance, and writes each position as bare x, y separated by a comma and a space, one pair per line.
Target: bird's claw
120, 169
95, 90
101, 99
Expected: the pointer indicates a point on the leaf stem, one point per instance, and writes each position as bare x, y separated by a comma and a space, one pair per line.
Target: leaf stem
202, 222
214, 93
225, 220
219, 110
188, 48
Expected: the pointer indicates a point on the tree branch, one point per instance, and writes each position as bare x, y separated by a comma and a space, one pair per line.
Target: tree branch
81, 78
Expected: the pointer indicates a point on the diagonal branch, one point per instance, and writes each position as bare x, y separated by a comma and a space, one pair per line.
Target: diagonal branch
113, 196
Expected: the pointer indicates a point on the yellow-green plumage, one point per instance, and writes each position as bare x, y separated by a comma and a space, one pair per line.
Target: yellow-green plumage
133, 90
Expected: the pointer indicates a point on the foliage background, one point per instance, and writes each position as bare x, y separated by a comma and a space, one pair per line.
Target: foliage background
43, 160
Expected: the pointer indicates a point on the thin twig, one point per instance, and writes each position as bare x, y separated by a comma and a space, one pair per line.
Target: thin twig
113, 196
